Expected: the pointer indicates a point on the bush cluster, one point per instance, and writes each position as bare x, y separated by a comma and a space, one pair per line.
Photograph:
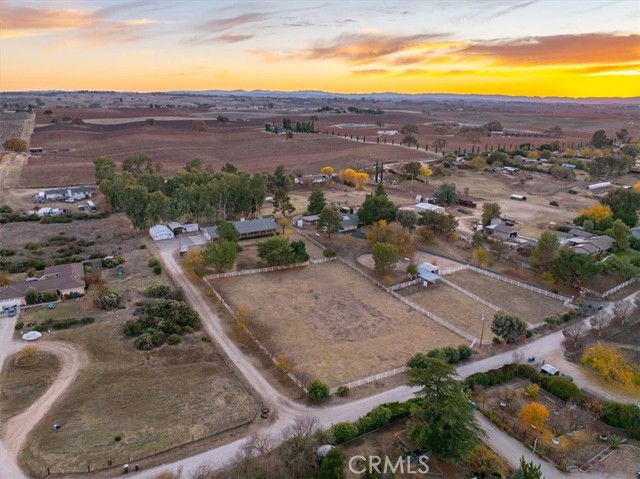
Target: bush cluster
162, 321
448, 354
377, 418
157, 291
112, 262
108, 299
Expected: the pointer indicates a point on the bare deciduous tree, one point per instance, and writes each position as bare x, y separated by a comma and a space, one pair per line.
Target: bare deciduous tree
598, 321
621, 311
574, 336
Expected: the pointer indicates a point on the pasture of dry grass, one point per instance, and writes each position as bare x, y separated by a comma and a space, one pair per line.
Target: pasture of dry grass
456, 308
330, 323
156, 400
20, 386
527, 305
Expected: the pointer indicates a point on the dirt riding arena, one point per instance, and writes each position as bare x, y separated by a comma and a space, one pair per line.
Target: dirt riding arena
332, 324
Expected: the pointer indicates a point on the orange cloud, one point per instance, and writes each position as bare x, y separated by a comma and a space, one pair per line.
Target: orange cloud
373, 71
560, 49
28, 21
363, 48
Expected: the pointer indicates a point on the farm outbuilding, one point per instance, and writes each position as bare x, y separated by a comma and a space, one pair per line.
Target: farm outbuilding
429, 272
348, 222
175, 227
517, 197
420, 207
160, 232
597, 186
255, 228
190, 228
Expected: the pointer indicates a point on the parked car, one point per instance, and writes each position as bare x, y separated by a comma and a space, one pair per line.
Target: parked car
70, 200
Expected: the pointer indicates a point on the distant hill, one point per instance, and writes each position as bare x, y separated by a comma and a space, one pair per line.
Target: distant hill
318, 94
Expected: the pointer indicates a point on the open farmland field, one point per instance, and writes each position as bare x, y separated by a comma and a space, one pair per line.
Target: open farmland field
71, 149
452, 306
16, 125
331, 323
527, 305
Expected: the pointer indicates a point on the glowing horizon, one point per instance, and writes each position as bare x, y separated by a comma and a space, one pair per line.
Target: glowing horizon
519, 48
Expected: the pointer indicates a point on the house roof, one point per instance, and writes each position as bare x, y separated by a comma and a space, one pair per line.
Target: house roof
348, 220
504, 229
255, 226
211, 231
311, 218
580, 233
603, 243
586, 248
427, 267
174, 224
60, 277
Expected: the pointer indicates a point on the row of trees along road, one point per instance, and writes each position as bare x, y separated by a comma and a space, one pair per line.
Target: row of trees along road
194, 193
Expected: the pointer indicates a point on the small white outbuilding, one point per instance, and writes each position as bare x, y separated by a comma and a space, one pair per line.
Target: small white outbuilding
160, 232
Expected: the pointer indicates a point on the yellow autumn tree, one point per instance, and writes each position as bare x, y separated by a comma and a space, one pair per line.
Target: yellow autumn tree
425, 171
327, 170
360, 179
534, 155
479, 256
636, 186
609, 362
348, 176
5, 279
535, 414
379, 233
193, 258
478, 162
597, 213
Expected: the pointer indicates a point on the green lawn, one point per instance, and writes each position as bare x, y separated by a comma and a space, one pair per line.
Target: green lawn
65, 309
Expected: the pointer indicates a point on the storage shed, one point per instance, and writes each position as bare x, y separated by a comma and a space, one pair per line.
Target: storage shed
429, 272
517, 197
420, 207
160, 232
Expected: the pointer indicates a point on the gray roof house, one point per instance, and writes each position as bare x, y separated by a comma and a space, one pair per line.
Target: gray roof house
593, 245
502, 232
580, 233
348, 222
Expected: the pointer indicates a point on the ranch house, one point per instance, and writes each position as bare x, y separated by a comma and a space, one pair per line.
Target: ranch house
246, 229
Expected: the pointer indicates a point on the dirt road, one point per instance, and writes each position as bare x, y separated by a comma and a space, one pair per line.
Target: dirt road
16, 430
72, 361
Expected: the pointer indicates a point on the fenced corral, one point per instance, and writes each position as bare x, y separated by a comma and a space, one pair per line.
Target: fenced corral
471, 295
267, 269
611, 291
406, 284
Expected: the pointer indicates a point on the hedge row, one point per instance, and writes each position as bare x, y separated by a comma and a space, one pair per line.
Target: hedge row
624, 416
449, 355
377, 418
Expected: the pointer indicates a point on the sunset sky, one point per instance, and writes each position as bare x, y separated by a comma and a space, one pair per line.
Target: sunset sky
536, 48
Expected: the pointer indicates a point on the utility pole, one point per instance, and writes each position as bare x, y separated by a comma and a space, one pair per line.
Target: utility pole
482, 333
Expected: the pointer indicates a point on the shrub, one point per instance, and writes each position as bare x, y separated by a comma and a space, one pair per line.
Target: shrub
40, 328
626, 416
496, 340
157, 290
451, 355
205, 338
157, 269
112, 262
318, 391
87, 320
117, 437
329, 253
378, 417
464, 351
19, 326
532, 390
49, 296
553, 203
343, 391
344, 431
174, 339
108, 300
153, 262
561, 388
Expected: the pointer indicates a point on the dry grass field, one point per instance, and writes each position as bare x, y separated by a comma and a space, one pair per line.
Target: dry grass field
155, 400
454, 307
22, 385
332, 324
527, 305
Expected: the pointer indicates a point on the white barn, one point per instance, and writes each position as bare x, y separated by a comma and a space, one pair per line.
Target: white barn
160, 232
